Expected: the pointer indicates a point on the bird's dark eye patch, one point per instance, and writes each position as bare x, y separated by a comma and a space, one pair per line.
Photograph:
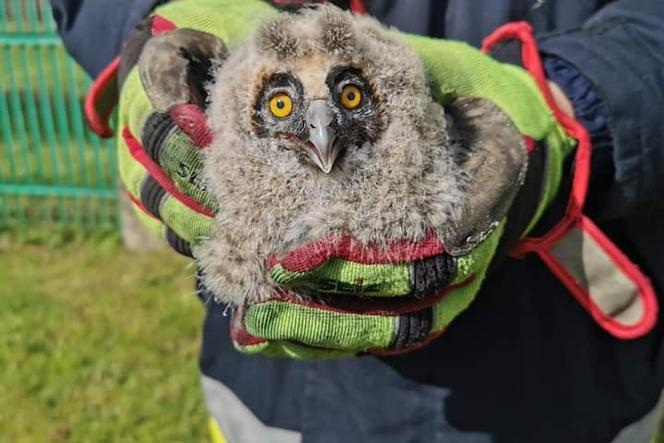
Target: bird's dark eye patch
282, 83
349, 88
282, 80
358, 108
279, 105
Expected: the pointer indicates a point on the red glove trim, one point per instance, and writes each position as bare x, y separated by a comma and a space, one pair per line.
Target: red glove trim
314, 254
103, 94
193, 122
238, 330
622, 262
357, 6
532, 61
140, 206
138, 153
101, 99
530, 143
161, 25
573, 217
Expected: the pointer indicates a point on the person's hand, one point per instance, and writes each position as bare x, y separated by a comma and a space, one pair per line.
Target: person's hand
387, 302
162, 130
162, 124
396, 299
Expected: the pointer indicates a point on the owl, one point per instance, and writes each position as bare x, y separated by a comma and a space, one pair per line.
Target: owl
325, 126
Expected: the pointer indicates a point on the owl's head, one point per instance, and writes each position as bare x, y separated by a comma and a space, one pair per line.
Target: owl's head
317, 86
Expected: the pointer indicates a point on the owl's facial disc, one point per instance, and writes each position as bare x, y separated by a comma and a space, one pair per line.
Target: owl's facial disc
322, 147
319, 114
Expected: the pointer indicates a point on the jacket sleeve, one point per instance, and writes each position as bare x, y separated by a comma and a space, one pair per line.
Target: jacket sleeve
620, 50
93, 30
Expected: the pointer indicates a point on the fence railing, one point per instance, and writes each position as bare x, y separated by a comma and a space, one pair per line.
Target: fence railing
53, 169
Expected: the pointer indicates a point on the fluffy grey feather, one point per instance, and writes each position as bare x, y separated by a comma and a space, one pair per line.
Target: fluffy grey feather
404, 183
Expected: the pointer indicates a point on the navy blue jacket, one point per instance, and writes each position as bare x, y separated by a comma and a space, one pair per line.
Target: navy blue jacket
524, 363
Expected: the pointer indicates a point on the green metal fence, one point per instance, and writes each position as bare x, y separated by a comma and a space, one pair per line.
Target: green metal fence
53, 170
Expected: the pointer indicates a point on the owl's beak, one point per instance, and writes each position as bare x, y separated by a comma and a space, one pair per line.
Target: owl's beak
322, 149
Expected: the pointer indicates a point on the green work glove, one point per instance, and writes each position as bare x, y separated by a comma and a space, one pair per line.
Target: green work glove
162, 123
163, 130
384, 314
375, 306
412, 295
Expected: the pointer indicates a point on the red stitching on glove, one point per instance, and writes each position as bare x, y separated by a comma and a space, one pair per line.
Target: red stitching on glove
314, 254
138, 153
192, 121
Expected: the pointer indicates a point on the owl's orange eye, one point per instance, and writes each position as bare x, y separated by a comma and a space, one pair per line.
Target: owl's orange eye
281, 105
351, 97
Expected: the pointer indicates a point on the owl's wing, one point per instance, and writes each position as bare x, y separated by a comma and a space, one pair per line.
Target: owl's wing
494, 158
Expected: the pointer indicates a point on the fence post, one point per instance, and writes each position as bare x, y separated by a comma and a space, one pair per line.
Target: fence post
135, 236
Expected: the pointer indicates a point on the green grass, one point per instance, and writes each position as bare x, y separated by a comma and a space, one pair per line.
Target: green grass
97, 344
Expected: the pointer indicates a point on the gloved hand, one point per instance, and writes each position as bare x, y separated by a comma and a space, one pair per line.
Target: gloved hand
162, 123
162, 130
383, 301
393, 301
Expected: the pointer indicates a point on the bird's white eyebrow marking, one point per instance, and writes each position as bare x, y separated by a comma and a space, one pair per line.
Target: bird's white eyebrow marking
312, 72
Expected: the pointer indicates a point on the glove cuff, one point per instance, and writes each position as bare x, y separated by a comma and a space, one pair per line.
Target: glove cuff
617, 295
522, 33
104, 92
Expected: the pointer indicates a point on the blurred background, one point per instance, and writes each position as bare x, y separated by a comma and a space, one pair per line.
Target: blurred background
97, 343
